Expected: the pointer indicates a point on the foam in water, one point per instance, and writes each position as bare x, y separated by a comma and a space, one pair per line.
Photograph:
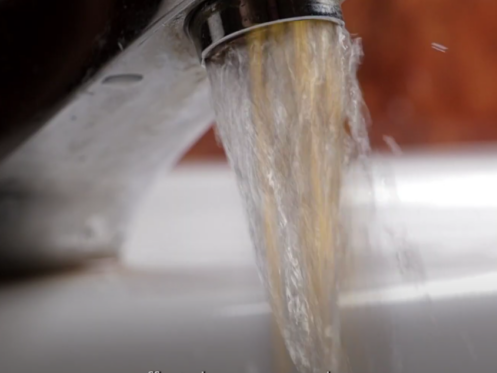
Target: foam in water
289, 113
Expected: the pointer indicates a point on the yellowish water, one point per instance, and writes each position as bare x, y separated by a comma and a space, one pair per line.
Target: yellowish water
285, 112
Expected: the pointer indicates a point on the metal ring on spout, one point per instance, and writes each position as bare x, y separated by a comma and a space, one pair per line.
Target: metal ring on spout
214, 22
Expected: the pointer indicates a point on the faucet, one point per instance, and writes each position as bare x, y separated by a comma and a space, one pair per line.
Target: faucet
98, 97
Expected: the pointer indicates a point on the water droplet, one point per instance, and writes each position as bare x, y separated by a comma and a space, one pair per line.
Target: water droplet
392, 144
439, 47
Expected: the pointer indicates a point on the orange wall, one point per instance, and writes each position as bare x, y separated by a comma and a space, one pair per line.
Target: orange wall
415, 93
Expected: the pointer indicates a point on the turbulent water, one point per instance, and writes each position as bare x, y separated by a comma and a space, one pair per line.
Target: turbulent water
289, 113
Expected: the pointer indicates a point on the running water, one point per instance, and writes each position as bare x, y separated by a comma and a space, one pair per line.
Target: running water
289, 113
